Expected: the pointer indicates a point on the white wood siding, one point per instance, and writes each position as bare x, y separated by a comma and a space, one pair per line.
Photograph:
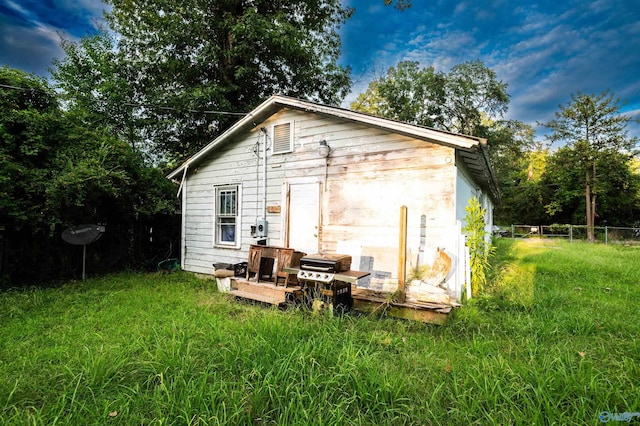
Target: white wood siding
371, 173
465, 190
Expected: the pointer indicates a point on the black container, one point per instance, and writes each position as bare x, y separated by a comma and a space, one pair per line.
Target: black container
240, 269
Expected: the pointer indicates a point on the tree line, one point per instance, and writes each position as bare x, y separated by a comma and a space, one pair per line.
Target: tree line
59, 168
591, 177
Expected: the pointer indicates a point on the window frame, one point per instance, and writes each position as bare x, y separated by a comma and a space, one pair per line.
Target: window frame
219, 216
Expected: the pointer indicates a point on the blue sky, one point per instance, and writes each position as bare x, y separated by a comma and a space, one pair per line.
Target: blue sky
543, 50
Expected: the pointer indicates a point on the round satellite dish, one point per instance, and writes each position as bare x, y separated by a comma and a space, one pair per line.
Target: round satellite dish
81, 235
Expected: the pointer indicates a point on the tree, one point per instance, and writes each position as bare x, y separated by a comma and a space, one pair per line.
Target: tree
617, 189
98, 177
518, 164
370, 101
398, 4
192, 67
407, 93
511, 142
29, 137
456, 102
58, 167
593, 126
471, 91
92, 78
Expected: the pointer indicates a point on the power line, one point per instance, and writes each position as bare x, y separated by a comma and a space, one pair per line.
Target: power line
25, 89
131, 104
184, 110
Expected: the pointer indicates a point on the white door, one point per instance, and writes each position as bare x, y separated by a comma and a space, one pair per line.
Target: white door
304, 216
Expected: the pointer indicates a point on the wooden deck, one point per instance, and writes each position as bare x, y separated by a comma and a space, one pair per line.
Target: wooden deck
376, 301
364, 300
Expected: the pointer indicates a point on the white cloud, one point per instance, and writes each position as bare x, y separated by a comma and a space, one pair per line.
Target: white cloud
461, 8
16, 7
31, 36
30, 49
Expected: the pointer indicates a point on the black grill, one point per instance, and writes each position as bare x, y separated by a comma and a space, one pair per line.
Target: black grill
331, 263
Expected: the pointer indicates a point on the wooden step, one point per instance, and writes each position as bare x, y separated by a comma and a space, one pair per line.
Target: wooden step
366, 300
264, 298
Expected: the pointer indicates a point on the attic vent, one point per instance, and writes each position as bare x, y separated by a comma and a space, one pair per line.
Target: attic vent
282, 140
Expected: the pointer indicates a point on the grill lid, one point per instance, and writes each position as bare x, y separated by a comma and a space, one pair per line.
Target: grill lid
326, 262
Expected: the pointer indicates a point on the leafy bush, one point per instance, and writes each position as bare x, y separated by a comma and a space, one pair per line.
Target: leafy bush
480, 248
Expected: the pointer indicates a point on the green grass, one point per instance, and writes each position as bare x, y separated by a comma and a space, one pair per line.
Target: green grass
555, 341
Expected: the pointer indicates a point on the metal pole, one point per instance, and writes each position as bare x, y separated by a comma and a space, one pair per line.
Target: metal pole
264, 176
606, 235
84, 257
467, 271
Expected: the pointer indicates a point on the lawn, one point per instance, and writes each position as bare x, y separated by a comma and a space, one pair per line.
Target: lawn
554, 341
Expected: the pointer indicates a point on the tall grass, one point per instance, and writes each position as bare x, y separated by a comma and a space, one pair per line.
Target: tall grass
555, 341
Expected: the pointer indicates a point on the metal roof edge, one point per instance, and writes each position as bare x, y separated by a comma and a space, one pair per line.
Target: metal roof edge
454, 140
440, 136
227, 133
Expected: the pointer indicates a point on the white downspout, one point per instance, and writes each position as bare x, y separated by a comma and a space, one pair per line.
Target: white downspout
183, 239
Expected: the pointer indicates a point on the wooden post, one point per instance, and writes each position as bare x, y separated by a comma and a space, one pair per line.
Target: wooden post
402, 255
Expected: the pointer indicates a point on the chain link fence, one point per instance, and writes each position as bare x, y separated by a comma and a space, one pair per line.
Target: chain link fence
603, 234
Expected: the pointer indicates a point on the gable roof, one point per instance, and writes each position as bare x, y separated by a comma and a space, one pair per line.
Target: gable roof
472, 150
